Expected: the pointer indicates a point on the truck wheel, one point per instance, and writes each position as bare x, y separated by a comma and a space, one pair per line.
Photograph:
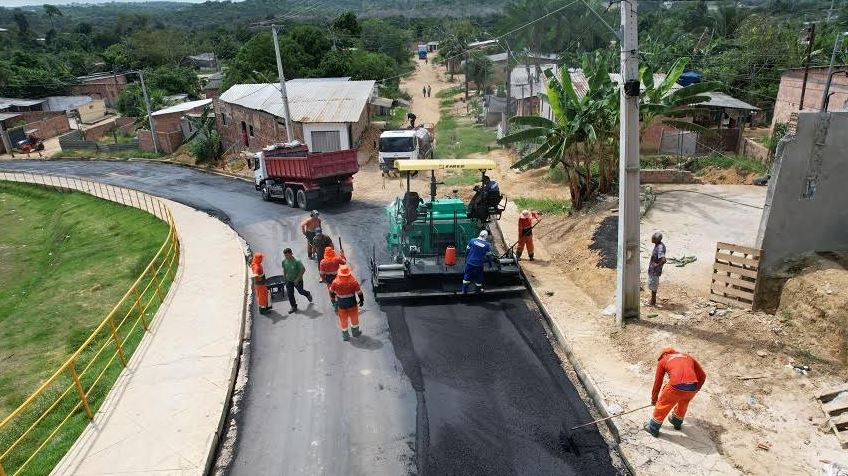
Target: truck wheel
346, 196
266, 193
290, 197
302, 201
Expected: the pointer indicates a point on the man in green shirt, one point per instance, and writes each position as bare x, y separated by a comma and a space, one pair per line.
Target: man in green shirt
293, 271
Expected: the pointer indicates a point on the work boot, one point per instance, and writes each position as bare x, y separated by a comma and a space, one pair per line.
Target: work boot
355, 331
676, 422
308, 296
293, 310
653, 428
479, 289
531, 256
464, 288
345, 336
518, 256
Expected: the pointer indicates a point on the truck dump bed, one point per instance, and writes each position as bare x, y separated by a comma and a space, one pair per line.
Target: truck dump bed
297, 163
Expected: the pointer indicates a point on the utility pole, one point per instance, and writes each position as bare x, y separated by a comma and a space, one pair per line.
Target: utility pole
839, 38
283, 94
149, 115
627, 274
811, 38
508, 88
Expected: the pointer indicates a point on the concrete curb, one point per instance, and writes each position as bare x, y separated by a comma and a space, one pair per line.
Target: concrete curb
584, 377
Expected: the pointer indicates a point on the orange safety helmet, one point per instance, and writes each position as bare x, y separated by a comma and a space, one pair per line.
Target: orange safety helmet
329, 253
345, 271
666, 350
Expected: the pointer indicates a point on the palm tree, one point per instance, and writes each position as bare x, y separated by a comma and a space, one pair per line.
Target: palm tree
52, 11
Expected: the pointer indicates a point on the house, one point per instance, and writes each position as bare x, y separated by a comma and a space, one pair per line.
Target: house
432, 46
380, 106
494, 108
724, 115
327, 113
792, 83
526, 82
21, 105
211, 85
207, 61
105, 86
167, 122
517, 59
84, 108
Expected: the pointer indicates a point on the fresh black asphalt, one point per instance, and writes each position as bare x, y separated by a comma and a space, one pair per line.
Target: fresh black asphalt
435, 388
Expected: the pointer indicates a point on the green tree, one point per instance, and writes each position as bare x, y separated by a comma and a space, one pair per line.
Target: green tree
379, 36
21, 21
480, 70
52, 11
257, 54
205, 143
173, 80
347, 24
116, 56
131, 102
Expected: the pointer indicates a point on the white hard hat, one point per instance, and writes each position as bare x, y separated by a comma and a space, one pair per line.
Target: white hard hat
484, 234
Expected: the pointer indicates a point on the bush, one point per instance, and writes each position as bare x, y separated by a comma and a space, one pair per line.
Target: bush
208, 149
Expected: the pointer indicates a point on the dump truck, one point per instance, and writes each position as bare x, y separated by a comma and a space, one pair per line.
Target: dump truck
412, 144
422, 51
290, 172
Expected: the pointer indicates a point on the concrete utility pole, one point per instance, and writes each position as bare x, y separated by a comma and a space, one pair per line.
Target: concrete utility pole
840, 37
627, 278
149, 114
508, 88
289, 135
811, 38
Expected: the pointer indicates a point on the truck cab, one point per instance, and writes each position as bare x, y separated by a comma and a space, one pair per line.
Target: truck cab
422, 52
412, 144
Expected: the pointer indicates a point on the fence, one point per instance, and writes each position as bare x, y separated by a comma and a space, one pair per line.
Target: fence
69, 398
688, 143
73, 141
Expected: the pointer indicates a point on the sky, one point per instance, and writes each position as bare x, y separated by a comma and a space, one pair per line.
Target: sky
39, 3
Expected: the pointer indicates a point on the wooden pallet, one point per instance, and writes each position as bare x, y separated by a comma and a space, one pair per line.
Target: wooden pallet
735, 275
836, 412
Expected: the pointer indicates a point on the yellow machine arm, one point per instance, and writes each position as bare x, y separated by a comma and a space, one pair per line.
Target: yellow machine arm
405, 165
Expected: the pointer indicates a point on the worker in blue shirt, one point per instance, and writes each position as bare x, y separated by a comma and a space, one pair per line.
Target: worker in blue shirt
476, 254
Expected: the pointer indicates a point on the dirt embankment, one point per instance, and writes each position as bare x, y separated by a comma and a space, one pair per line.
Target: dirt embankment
731, 176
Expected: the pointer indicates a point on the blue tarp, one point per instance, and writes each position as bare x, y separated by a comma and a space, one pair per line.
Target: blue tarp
690, 77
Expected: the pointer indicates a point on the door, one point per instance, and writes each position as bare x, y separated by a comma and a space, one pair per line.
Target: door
326, 141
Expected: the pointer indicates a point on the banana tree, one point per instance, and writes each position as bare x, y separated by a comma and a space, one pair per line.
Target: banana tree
582, 126
672, 105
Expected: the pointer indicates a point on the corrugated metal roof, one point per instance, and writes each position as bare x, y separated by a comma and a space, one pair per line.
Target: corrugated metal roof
520, 84
8, 115
66, 103
382, 102
182, 107
726, 101
315, 100
15, 102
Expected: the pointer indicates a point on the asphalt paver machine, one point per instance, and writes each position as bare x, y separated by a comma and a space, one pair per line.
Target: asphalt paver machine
427, 238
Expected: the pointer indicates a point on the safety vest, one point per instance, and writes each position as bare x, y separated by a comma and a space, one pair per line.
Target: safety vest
345, 289
258, 275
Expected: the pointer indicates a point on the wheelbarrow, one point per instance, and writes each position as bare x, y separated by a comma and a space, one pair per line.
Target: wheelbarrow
277, 287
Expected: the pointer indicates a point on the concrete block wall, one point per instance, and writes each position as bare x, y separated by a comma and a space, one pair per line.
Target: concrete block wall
751, 148
806, 207
169, 142
789, 94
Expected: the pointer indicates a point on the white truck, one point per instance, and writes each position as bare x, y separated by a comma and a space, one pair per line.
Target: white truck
410, 144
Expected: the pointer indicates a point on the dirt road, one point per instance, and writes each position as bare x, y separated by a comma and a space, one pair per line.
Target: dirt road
426, 109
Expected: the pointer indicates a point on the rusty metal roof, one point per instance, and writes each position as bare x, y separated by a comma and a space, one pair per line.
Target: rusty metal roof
310, 100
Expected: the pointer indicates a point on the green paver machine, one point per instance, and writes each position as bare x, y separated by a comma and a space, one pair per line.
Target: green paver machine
421, 233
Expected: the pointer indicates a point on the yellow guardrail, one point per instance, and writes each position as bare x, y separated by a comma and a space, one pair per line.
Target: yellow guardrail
72, 395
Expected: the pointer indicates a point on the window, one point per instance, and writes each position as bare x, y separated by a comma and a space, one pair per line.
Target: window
224, 119
326, 141
251, 131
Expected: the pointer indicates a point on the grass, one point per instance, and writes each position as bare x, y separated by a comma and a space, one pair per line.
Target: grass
397, 118
722, 161
552, 206
119, 138
91, 154
65, 261
467, 177
449, 92
457, 139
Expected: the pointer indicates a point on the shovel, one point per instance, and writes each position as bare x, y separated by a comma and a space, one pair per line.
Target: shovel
567, 442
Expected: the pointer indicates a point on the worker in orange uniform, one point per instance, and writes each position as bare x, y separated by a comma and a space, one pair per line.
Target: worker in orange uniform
343, 293
258, 275
525, 232
329, 266
685, 378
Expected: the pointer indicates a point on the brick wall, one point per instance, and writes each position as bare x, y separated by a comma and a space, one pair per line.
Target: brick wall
666, 176
49, 124
358, 128
168, 141
106, 88
650, 137
266, 129
789, 94
125, 125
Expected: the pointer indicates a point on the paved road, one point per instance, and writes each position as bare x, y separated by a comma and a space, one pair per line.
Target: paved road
444, 388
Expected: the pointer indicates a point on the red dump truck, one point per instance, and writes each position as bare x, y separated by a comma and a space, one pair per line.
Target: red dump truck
302, 178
